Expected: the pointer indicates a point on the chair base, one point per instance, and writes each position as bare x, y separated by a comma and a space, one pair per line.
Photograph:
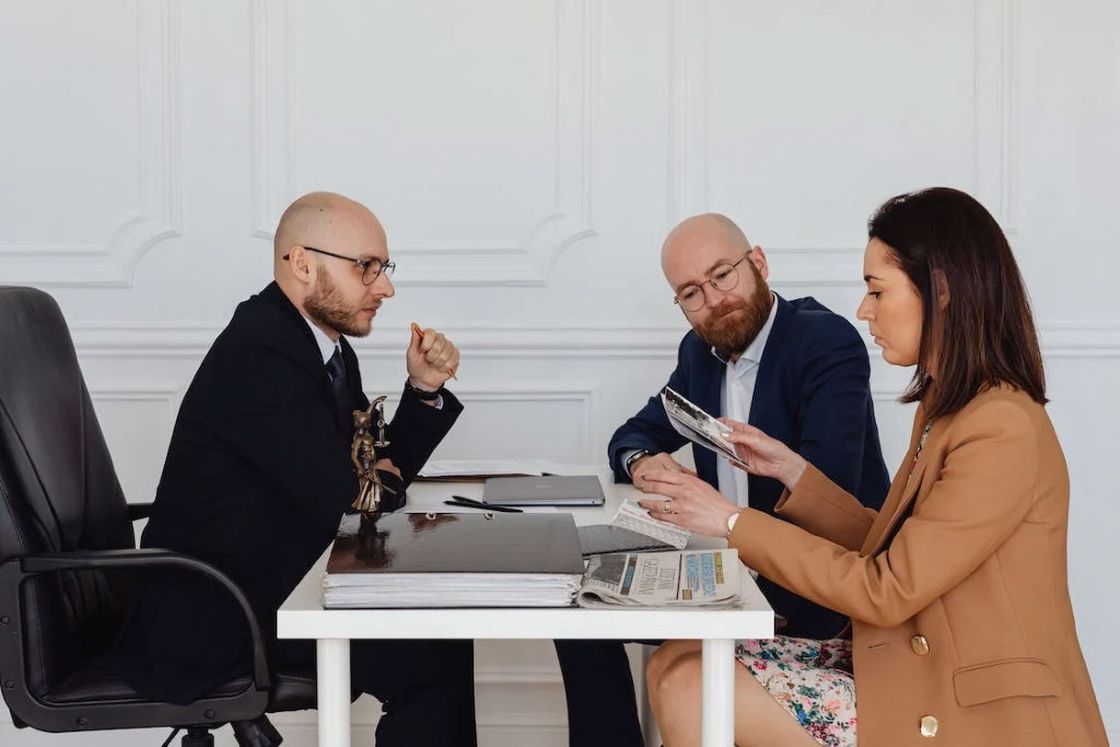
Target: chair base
256, 733
197, 737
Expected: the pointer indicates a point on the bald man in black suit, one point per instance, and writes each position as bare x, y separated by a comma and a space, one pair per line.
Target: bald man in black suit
258, 475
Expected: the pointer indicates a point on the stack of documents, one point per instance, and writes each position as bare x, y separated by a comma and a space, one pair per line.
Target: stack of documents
454, 560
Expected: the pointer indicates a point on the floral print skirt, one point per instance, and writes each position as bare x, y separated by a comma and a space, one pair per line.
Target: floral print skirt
811, 679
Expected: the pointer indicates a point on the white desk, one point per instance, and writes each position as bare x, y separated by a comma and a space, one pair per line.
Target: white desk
302, 616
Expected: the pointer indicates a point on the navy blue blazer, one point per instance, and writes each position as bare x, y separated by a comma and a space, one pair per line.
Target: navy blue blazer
812, 393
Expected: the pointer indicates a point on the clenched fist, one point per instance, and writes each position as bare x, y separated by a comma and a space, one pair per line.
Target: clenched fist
431, 358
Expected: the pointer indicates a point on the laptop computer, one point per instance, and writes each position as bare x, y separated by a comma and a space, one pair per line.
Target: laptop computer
547, 490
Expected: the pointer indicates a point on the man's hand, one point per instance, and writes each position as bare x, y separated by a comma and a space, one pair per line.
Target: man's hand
650, 462
432, 359
393, 497
386, 465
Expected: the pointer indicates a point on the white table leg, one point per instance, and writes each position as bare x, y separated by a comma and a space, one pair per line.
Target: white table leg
718, 662
333, 669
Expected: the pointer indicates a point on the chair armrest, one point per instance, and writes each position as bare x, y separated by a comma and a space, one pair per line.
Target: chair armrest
137, 511
17, 570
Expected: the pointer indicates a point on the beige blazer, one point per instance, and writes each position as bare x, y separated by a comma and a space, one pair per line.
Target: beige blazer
962, 628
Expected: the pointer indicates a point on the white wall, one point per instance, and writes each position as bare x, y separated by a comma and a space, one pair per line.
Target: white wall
527, 158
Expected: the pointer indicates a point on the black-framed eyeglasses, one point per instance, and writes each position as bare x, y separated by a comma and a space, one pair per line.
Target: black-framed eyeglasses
371, 268
724, 277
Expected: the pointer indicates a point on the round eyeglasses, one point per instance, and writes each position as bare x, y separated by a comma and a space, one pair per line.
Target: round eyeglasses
723, 277
371, 268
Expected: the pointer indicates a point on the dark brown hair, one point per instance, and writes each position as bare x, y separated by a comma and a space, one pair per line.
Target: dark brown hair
985, 335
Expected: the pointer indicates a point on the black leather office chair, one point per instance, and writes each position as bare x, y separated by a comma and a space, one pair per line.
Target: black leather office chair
67, 552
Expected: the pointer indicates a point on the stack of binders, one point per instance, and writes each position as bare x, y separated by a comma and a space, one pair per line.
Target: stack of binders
454, 560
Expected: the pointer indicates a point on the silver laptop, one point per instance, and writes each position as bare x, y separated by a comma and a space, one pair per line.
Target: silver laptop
549, 490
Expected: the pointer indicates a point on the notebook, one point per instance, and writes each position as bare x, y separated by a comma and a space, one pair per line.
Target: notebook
547, 490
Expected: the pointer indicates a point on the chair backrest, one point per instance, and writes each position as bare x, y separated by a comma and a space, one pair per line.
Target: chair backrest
58, 489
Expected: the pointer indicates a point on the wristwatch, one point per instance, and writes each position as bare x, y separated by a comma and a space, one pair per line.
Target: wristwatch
635, 456
423, 394
731, 522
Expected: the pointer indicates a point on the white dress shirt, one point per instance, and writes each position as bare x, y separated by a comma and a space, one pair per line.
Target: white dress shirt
735, 402
327, 346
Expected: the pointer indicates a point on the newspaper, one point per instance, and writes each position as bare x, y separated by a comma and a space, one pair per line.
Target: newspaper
698, 426
632, 516
692, 578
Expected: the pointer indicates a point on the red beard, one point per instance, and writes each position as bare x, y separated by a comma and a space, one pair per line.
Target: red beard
734, 324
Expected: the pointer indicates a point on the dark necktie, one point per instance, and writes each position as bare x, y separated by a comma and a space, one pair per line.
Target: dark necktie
336, 369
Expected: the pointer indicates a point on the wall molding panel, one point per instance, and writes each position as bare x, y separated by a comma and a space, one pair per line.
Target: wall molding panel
526, 258
833, 263
995, 96
159, 215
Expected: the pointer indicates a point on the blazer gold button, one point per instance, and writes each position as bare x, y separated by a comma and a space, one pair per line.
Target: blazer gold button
929, 726
920, 645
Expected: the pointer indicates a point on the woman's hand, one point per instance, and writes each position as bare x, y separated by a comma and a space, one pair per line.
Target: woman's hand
764, 455
688, 502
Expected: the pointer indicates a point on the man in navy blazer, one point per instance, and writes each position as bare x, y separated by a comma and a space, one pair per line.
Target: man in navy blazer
794, 369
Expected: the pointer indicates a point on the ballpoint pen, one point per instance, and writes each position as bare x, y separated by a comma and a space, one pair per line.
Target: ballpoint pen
416, 330
458, 500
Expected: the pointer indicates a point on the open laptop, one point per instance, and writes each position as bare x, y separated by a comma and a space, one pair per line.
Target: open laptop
548, 490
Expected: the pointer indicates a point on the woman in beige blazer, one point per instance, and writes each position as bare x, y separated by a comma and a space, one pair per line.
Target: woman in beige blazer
962, 630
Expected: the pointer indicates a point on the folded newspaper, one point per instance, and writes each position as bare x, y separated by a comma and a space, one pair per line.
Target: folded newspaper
698, 426
710, 579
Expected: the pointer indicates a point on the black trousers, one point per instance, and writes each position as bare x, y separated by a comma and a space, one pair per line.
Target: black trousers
602, 710
426, 688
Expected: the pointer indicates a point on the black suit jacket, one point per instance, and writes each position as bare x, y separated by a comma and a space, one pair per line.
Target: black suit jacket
812, 393
257, 477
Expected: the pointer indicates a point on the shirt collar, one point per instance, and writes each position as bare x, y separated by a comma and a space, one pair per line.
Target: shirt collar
327, 346
754, 351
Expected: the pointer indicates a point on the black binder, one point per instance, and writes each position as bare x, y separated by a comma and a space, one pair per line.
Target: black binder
454, 560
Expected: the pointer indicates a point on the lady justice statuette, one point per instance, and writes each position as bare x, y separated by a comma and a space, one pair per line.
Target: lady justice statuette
363, 453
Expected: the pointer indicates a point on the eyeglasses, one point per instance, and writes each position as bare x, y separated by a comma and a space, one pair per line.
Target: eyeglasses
371, 268
724, 277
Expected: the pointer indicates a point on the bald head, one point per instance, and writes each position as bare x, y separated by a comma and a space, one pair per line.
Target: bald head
320, 249
326, 220
719, 281
706, 229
